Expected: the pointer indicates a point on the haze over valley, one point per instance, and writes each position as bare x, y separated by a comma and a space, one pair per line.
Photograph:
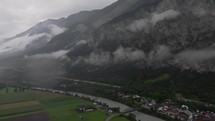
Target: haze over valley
153, 56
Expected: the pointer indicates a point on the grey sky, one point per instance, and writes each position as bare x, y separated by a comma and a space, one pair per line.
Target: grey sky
18, 15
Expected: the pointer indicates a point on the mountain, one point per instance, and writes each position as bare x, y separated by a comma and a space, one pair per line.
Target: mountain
43, 32
175, 32
181, 32
147, 33
128, 40
52, 39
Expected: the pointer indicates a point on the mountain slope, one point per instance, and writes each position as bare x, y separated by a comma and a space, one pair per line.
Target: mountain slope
125, 43
179, 33
156, 33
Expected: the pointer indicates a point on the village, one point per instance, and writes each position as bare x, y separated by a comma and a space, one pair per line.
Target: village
171, 109
167, 108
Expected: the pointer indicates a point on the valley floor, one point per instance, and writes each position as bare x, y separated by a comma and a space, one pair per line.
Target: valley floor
32, 105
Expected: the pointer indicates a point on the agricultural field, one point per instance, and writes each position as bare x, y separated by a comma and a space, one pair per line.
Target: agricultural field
19, 107
42, 106
119, 119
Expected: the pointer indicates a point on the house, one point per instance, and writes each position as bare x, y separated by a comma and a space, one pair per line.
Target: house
110, 111
125, 96
162, 109
169, 102
185, 115
85, 109
136, 97
205, 116
185, 107
174, 112
122, 95
152, 103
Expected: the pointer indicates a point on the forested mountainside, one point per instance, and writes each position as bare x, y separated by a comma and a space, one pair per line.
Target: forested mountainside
128, 42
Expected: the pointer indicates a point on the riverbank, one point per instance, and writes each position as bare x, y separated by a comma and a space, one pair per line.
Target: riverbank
112, 104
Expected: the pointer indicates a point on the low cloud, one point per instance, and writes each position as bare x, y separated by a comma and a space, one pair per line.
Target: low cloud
139, 25
98, 59
21, 43
55, 30
195, 56
199, 60
159, 54
213, 13
81, 42
162, 52
147, 23
122, 55
18, 44
199, 12
166, 15
119, 56
43, 69
19, 15
128, 54
55, 55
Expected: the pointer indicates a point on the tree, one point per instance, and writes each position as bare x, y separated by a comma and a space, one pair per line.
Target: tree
7, 90
15, 90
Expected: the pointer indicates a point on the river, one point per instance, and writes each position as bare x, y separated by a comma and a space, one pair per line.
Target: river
139, 116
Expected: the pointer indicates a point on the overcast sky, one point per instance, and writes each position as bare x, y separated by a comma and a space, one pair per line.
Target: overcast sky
18, 15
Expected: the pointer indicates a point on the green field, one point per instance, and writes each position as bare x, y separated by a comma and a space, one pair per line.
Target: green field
12, 97
160, 78
120, 119
19, 107
59, 107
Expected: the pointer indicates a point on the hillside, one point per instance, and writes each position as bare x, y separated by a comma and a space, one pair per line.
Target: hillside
126, 43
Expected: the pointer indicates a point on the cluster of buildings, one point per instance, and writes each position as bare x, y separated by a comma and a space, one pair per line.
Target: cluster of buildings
183, 113
205, 116
170, 109
87, 108
145, 103
167, 108
135, 97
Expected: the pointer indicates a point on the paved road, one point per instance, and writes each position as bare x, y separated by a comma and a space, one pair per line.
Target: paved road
130, 110
113, 104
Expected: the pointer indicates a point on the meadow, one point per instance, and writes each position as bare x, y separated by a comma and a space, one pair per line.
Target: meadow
22, 105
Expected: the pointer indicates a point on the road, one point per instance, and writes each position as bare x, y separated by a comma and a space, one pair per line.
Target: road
123, 108
112, 104
89, 82
198, 102
130, 110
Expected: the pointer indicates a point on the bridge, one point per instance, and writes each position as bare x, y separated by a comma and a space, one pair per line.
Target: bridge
129, 110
